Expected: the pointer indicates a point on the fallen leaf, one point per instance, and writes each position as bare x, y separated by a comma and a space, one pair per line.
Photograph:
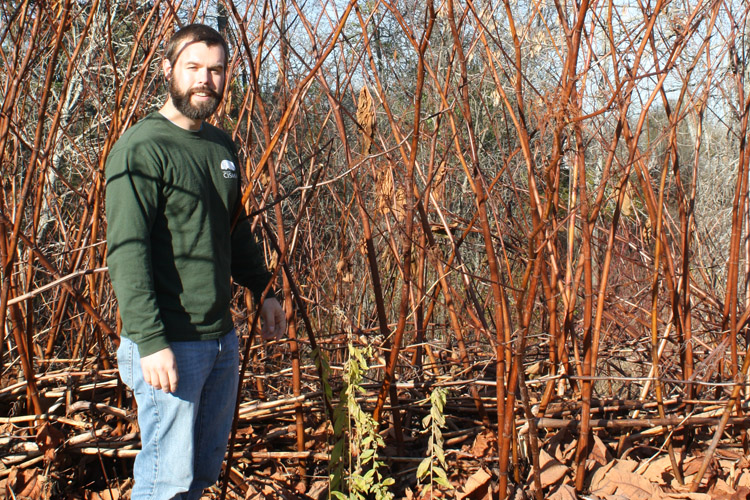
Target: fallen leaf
691, 471
564, 492
592, 465
600, 475
300, 487
720, 489
626, 465
729, 454
24, 484
430, 493
319, 490
251, 493
727, 463
545, 458
49, 439
476, 486
742, 493
534, 369
106, 494
656, 469
556, 444
246, 431
268, 490
620, 480
743, 480
484, 442
551, 471
599, 452
692, 466
569, 451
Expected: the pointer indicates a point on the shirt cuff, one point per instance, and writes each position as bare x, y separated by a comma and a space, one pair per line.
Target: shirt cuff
152, 344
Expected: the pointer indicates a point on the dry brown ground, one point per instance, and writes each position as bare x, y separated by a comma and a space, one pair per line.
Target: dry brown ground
84, 447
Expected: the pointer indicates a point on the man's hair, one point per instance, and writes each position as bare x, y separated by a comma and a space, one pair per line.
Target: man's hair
195, 33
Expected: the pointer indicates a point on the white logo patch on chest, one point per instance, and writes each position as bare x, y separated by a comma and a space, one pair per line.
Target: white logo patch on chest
228, 169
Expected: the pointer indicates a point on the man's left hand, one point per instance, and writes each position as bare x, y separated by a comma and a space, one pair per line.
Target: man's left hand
273, 319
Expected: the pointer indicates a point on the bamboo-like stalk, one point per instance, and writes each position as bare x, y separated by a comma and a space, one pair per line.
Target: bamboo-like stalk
654, 328
395, 344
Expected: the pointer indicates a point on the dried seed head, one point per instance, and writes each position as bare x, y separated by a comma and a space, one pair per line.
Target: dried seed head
366, 119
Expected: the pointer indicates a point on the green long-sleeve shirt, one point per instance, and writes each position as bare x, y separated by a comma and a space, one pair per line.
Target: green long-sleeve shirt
171, 197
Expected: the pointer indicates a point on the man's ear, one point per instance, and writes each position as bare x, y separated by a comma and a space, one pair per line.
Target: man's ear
166, 66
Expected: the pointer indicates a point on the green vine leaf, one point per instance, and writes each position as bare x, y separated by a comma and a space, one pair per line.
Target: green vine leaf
424, 468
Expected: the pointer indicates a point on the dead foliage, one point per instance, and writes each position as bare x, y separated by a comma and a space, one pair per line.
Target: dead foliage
540, 206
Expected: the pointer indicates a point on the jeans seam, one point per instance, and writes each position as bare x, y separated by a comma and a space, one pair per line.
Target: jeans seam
127, 365
156, 441
199, 437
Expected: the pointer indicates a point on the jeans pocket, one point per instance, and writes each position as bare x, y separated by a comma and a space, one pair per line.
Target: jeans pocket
125, 362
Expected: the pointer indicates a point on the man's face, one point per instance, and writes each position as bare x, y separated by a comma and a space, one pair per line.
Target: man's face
196, 82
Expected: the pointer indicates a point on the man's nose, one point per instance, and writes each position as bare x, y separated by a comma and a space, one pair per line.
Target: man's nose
204, 76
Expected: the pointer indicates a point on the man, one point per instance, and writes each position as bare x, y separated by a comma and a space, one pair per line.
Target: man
173, 190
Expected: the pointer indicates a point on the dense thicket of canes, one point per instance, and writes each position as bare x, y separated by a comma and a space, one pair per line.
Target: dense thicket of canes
490, 190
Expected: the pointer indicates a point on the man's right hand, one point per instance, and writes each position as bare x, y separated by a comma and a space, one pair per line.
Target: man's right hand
160, 370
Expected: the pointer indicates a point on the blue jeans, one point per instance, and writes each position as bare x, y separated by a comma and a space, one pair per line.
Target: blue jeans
184, 434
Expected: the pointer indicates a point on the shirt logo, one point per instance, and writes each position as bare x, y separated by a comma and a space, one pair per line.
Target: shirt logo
228, 169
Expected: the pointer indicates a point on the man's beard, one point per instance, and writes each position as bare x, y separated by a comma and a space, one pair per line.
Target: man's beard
202, 110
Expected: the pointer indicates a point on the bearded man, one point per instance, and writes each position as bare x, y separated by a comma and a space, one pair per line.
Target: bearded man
173, 189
